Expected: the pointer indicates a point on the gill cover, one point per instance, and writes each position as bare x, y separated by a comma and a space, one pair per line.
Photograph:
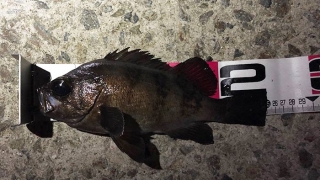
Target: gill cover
69, 98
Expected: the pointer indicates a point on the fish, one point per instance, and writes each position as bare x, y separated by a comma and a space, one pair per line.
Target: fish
130, 96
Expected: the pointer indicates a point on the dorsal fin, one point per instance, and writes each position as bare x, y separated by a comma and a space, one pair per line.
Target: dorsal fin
199, 73
138, 57
195, 69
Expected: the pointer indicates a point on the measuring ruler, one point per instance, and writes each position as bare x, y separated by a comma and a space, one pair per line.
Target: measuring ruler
292, 84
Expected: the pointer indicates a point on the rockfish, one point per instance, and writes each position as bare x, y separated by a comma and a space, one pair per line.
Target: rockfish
130, 95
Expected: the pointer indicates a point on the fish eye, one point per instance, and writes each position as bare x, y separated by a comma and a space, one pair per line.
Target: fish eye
60, 87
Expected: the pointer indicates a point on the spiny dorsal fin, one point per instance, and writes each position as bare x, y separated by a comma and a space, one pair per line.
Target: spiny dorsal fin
138, 57
197, 71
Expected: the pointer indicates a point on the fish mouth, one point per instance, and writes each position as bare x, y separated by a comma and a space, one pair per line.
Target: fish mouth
49, 104
45, 105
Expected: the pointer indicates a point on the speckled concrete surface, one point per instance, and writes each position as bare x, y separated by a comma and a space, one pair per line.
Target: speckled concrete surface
75, 31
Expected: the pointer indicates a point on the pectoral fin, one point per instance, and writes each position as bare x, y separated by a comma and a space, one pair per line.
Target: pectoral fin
200, 133
112, 120
132, 145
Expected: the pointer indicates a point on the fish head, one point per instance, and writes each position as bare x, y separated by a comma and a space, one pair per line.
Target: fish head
69, 99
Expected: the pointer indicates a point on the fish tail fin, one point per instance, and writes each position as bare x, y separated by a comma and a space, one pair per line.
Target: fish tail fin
246, 108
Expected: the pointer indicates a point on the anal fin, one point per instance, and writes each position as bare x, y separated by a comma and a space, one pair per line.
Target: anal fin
200, 133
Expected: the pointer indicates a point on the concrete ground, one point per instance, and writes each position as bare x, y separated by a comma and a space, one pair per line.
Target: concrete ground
75, 31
